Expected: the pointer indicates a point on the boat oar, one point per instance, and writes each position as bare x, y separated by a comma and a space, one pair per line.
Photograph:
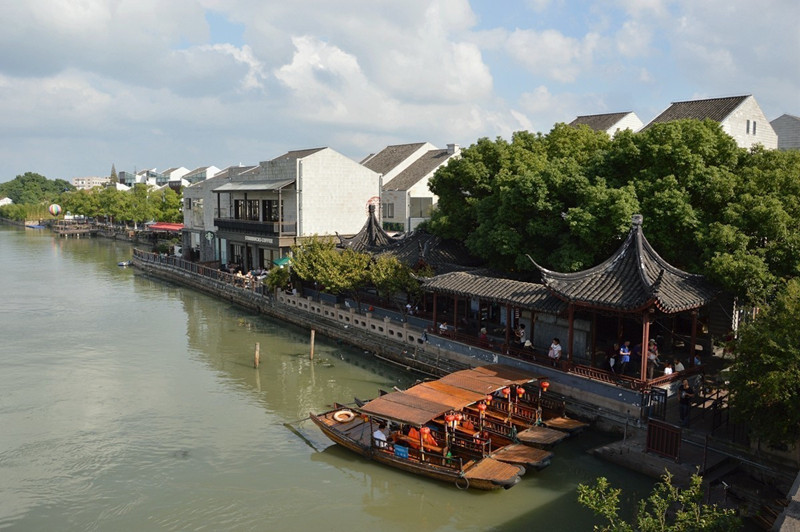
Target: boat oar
300, 435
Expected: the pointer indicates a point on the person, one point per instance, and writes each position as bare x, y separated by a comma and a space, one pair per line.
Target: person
685, 396
483, 338
521, 335
677, 366
409, 310
697, 361
668, 369
611, 357
624, 356
652, 359
443, 328
380, 436
555, 351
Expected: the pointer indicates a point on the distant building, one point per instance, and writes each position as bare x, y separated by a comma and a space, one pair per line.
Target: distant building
611, 123
260, 213
200, 174
407, 199
6, 201
740, 117
787, 127
87, 183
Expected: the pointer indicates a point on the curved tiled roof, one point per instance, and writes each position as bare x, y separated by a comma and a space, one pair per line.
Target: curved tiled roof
497, 290
442, 255
634, 278
370, 238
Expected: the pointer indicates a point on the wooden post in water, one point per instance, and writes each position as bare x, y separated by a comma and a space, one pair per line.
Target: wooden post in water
256, 355
311, 357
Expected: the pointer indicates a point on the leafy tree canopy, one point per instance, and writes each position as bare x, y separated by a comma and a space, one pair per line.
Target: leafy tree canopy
765, 381
32, 188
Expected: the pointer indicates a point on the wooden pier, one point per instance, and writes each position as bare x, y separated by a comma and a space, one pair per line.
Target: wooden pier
78, 230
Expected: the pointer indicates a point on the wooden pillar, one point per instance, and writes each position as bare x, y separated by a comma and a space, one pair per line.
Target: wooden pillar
455, 314
435, 322
594, 338
508, 325
694, 336
645, 338
571, 334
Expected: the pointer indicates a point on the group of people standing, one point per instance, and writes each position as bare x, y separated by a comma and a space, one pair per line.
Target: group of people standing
618, 359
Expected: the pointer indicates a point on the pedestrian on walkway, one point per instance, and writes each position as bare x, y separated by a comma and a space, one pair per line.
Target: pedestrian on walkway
685, 397
624, 357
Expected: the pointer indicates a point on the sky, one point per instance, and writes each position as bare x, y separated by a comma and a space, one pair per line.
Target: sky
139, 84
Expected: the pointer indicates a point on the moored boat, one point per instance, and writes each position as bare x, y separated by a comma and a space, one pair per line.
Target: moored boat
430, 432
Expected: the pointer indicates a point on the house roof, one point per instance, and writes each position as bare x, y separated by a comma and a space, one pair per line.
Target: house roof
442, 255
371, 237
165, 226
717, 109
244, 186
497, 290
389, 157
423, 166
634, 278
298, 154
600, 122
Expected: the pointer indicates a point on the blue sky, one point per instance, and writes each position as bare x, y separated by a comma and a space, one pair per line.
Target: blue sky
153, 84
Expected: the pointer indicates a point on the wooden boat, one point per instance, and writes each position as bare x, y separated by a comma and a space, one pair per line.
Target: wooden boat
462, 453
354, 431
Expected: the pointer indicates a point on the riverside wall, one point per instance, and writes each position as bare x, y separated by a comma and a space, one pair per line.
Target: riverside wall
609, 407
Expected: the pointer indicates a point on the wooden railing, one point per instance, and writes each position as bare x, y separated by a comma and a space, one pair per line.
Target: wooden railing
663, 439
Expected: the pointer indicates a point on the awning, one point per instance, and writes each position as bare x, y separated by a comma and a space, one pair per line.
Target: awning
165, 226
253, 186
283, 261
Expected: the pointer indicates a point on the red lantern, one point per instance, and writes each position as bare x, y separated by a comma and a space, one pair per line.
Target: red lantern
459, 417
489, 399
424, 431
520, 391
506, 391
482, 407
544, 385
449, 418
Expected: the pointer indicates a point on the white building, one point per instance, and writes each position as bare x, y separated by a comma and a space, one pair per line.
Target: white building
262, 212
88, 183
611, 123
407, 200
787, 127
740, 117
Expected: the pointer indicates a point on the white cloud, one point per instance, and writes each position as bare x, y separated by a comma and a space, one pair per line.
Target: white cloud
552, 54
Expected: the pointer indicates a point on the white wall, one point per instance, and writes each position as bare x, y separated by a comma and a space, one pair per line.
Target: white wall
787, 128
735, 125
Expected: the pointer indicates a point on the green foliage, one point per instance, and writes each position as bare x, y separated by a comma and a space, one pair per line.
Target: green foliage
31, 188
668, 508
278, 278
765, 381
566, 199
390, 277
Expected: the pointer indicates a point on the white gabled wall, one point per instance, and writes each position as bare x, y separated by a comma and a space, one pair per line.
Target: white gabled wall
333, 193
736, 125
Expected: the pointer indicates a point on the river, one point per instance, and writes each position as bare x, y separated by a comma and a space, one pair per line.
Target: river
127, 403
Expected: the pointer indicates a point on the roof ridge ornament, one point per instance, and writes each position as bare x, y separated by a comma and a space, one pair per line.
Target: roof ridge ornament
637, 220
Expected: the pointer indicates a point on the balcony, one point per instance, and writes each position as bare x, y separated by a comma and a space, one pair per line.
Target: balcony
256, 228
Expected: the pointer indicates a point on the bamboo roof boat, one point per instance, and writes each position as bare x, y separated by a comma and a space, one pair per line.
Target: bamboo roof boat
427, 436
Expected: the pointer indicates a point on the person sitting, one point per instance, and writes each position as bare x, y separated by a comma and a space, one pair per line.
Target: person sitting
483, 339
668, 369
379, 436
677, 366
443, 328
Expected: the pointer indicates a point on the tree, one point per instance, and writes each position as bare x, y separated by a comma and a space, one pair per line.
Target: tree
33, 188
113, 178
390, 277
765, 379
668, 508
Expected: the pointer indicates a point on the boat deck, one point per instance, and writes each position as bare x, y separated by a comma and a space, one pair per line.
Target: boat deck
565, 424
518, 453
493, 470
539, 435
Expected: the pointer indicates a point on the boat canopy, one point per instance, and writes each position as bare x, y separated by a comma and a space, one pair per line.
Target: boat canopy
429, 400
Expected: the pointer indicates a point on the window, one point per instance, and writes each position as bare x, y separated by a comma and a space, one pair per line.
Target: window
252, 210
748, 127
754, 127
421, 207
271, 210
388, 210
187, 204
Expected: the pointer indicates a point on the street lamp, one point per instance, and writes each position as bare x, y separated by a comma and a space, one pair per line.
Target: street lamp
543, 386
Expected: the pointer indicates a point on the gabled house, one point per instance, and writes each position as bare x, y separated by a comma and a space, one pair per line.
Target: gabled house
740, 117
88, 183
199, 202
262, 212
611, 123
407, 201
787, 127
200, 174
392, 160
